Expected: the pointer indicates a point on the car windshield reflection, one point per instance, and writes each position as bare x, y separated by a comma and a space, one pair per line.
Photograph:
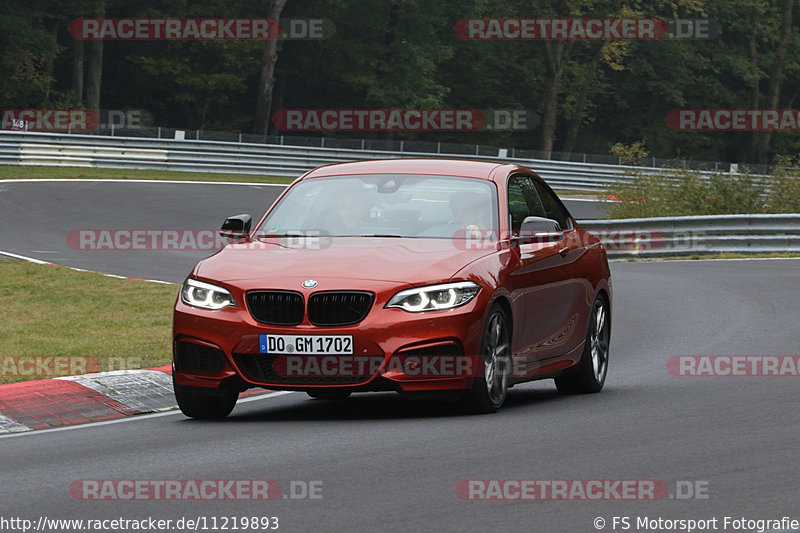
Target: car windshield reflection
392, 206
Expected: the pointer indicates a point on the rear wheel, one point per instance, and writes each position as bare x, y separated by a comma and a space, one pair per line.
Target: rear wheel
489, 390
329, 394
203, 403
593, 366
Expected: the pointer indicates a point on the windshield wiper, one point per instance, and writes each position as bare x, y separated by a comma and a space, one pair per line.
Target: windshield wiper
387, 235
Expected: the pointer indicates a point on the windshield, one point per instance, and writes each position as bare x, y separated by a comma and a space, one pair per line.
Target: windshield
385, 205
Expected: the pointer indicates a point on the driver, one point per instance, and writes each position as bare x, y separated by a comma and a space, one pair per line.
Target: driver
350, 207
470, 211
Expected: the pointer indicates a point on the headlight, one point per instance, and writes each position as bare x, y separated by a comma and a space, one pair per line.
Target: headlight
433, 297
199, 294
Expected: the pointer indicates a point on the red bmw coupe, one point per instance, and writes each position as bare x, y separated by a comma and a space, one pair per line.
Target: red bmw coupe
421, 276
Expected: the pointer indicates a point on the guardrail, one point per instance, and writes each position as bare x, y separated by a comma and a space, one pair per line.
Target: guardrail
711, 234
50, 149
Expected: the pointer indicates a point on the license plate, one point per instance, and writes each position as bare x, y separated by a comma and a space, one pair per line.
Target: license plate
306, 344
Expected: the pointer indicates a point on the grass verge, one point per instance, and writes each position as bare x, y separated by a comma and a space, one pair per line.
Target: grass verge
8, 172
93, 321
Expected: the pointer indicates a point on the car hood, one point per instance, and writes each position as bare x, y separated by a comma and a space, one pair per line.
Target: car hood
396, 260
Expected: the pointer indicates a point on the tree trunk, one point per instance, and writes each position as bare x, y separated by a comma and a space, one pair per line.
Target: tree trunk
95, 75
776, 76
77, 69
557, 56
572, 134
267, 79
49, 65
755, 92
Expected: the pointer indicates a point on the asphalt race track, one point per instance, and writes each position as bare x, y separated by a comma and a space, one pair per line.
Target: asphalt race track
390, 464
37, 217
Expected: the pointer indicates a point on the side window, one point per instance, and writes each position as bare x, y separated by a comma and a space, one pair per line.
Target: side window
523, 201
552, 207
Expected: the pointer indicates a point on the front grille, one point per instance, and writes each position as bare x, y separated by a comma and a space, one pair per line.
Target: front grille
339, 308
259, 367
280, 308
191, 357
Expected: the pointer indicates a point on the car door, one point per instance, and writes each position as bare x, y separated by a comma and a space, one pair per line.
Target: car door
545, 292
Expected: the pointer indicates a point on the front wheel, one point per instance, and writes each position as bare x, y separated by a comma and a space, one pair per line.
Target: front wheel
198, 402
593, 366
489, 390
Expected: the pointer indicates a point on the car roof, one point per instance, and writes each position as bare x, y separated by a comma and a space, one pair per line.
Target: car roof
443, 167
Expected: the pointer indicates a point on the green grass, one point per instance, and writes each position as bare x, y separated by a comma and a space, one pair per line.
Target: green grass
8, 172
56, 311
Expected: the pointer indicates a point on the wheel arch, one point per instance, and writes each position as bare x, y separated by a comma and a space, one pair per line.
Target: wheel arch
505, 305
603, 293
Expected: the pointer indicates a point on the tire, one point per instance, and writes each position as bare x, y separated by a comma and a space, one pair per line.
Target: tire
329, 394
202, 403
593, 366
489, 390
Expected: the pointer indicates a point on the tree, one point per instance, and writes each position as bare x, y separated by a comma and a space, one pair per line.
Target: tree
776, 74
27, 52
266, 81
94, 77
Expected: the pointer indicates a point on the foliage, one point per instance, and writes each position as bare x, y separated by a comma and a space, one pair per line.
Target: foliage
684, 192
629, 154
406, 54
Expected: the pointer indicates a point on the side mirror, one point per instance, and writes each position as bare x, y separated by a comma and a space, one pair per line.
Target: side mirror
539, 229
237, 227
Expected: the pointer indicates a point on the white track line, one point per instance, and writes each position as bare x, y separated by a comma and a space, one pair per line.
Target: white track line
596, 200
24, 258
129, 418
40, 262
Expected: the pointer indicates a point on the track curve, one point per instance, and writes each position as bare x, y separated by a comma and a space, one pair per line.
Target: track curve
386, 463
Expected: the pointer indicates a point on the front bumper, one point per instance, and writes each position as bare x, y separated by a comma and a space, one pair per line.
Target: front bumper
392, 350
